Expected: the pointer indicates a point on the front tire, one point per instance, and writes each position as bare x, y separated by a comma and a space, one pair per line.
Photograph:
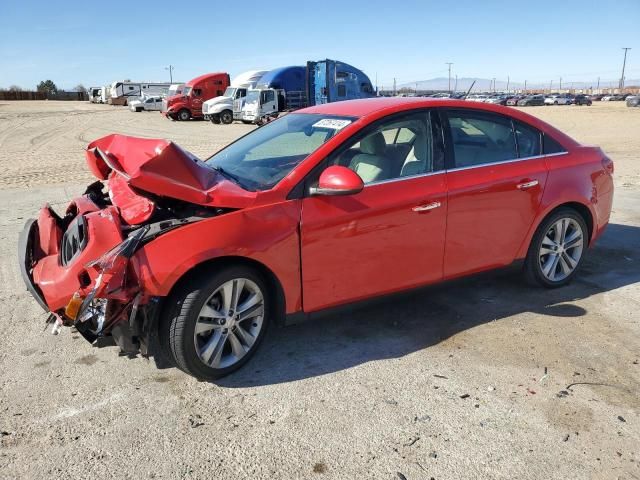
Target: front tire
226, 117
557, 249
184, 115
215, 322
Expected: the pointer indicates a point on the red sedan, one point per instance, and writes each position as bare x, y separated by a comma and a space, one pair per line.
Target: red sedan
328, 205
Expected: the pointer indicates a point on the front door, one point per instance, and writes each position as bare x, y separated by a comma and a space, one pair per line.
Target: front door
390, 236
496, 179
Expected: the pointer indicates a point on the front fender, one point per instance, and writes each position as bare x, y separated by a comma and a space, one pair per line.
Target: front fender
267, 234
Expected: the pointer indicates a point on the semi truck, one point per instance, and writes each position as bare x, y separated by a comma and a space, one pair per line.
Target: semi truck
220, 109
290, 88
122, 92
195, 92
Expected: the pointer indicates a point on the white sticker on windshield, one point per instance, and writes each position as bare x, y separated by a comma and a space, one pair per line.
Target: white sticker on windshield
332, 123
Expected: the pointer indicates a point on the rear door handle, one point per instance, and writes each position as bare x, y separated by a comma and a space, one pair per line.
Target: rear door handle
424, 208
527, 185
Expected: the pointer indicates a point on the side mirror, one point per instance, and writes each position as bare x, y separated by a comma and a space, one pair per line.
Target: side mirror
337, 180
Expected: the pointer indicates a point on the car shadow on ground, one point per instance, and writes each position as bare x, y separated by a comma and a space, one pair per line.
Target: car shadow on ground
398, 325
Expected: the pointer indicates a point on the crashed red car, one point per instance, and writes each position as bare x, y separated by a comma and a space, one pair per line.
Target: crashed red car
325, 206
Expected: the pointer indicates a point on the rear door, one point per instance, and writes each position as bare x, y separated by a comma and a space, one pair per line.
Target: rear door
386, 238
495, 176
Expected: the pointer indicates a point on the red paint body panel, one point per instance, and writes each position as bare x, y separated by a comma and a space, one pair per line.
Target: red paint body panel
488, 216
330, 250
212, 85
267, 234
358, 246
164, 169
57, 282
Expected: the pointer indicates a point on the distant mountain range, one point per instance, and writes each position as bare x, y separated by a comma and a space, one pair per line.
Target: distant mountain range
486, 84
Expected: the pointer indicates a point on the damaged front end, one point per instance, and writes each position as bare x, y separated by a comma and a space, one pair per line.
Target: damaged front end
78, 266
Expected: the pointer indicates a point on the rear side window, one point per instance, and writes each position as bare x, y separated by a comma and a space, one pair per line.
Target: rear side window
551, 146
528, 138
479, 138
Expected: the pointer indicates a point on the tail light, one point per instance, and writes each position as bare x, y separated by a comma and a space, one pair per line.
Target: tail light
607, 165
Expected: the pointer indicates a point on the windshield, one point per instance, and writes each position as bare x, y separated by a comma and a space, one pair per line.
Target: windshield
252, 98
186, 91
229, 92
262, 158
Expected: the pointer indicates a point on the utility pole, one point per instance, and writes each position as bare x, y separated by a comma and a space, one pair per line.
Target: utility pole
170, 68
560, 83
494, 84
449, 63
525, 87
394, 86
508, 83
598, 87
624, 64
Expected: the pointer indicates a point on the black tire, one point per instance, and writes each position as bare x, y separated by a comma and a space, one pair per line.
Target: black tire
215, 119
532, 269
226, 117
182, 309
184, 115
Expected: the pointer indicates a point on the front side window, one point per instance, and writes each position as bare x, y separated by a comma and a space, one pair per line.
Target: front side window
259, 160
479, 138
400, 147
197, 92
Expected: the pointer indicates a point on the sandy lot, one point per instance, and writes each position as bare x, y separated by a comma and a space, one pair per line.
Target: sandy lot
446, 383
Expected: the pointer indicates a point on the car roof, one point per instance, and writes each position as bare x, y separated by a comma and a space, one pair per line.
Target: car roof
382, 106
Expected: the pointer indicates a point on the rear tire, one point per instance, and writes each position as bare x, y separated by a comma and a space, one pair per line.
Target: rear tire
184, 115
557, 249
214, 304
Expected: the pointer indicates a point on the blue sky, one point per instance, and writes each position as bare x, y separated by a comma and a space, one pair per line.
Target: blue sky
97, 43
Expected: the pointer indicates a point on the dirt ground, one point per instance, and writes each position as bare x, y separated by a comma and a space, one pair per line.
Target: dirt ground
445, 383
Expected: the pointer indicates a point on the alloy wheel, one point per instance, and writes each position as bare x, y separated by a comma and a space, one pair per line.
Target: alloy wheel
561, 249
229, 323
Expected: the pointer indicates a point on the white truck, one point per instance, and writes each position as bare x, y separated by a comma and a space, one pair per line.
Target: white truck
220, 109
147, 103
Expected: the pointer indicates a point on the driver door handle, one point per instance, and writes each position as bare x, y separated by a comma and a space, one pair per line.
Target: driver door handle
527, 185
428, 206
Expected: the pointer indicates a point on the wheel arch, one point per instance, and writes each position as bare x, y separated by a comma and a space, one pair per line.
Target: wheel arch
581, 208
273, 283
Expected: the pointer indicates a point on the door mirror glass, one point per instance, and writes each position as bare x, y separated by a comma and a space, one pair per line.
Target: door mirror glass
338, 180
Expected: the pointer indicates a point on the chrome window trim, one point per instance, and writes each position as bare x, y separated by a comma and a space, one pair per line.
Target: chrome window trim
429, 174
457, 169
406, 177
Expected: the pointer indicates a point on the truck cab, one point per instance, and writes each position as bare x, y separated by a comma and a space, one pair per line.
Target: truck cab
220, 109
188, 104
291, 88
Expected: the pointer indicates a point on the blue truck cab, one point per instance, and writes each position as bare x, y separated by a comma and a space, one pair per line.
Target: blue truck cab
290, 88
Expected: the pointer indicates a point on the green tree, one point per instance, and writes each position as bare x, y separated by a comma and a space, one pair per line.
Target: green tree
15, 88
80, 88
47, 86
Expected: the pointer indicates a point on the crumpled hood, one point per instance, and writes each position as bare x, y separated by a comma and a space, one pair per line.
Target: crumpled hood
163, 168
